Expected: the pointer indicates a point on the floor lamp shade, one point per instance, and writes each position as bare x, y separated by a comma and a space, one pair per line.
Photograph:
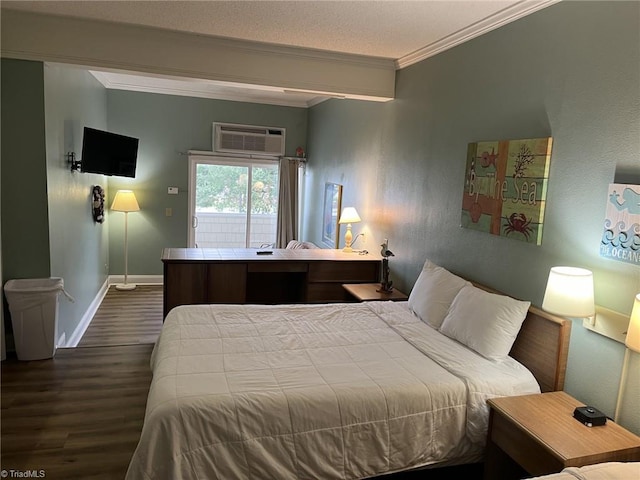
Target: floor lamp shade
632, 343
633, 332
125, 201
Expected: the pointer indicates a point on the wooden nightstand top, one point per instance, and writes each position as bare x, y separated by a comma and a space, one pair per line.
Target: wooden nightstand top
548, 419
367, 292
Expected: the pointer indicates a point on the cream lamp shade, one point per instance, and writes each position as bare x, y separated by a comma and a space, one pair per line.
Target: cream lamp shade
633, 332
632, 342
349, 216
569, 292
125, 201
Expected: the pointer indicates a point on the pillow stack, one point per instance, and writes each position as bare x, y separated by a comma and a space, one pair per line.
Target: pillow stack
485, 322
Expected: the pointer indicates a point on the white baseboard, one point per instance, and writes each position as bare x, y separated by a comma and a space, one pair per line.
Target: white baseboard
137, 279
75, 338
77, 334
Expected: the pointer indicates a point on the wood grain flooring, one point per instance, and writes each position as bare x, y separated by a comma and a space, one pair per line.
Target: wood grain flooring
76, 416
80, 414
126, 318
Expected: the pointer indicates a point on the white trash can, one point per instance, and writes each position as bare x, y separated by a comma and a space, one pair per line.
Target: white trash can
33, 304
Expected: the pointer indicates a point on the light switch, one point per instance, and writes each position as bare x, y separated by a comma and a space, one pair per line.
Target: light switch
168, 212
173, 191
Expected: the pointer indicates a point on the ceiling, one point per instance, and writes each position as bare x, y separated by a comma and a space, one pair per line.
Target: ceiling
405, 31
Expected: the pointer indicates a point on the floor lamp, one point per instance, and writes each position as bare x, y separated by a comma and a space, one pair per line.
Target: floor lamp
632, 342
125, 201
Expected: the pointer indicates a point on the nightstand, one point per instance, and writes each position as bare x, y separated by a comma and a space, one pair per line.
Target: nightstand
540, 435
368, 292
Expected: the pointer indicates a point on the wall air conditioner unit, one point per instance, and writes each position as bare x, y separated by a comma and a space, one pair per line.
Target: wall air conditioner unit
248, 139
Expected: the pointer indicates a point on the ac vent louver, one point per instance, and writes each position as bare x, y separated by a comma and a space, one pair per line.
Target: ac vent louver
248, 139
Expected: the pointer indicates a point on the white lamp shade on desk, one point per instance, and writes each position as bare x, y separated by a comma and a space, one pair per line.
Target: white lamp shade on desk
569, 292
349, 216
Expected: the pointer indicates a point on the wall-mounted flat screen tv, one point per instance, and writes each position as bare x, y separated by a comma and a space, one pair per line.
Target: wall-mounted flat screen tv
108, 153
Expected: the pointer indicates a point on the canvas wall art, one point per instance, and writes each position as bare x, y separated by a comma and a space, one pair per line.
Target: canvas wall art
505, 188
621, 236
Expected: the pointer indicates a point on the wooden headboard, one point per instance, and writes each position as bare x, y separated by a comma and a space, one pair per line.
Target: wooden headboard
542, 345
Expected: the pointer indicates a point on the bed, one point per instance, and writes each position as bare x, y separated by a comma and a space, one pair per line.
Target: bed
340, 391
599, 471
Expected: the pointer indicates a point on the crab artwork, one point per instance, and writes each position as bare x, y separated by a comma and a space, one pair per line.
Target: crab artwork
518, 222
505, 187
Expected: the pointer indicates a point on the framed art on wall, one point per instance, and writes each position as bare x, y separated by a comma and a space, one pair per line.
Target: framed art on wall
505, 188
331, 214
621, 235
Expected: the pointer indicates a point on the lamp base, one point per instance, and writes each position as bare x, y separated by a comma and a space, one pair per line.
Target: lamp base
126, 286
347, 250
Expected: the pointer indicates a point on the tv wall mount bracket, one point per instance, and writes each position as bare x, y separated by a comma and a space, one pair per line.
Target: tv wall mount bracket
75, 164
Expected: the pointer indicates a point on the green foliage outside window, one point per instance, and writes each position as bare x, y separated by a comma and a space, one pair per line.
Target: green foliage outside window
223, 189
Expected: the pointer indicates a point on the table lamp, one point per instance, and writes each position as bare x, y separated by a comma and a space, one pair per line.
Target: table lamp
569, 293
349, 216
125, 201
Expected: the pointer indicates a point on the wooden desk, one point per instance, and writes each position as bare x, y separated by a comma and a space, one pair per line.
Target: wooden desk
539, 433
230, 275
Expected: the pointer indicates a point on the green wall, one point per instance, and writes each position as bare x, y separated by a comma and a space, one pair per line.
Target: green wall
25, 221
78, 245
47, 227
570, 71
168, 126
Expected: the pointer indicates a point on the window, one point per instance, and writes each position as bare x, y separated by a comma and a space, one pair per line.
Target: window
234, 202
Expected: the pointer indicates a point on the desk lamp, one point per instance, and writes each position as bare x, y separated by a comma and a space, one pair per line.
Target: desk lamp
349, 216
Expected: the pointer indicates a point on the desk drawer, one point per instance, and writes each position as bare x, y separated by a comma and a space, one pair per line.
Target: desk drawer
279, 267
344, 272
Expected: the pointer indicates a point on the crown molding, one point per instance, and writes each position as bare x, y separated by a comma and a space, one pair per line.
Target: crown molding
503, 17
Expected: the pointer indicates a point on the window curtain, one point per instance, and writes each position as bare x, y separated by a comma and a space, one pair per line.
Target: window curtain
288, 202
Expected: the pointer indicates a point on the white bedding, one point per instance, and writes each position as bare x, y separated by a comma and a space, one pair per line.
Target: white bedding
599, 471
340, 391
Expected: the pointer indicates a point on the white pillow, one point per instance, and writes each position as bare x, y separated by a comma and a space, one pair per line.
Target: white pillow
485, 322
433, 293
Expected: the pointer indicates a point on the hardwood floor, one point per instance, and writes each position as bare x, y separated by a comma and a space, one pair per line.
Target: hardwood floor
76, 416
80, 414
126, 318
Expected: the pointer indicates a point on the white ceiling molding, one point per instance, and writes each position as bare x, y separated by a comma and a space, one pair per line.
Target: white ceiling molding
167, 48
503, 17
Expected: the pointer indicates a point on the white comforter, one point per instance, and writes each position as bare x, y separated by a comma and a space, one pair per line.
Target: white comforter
339, 391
